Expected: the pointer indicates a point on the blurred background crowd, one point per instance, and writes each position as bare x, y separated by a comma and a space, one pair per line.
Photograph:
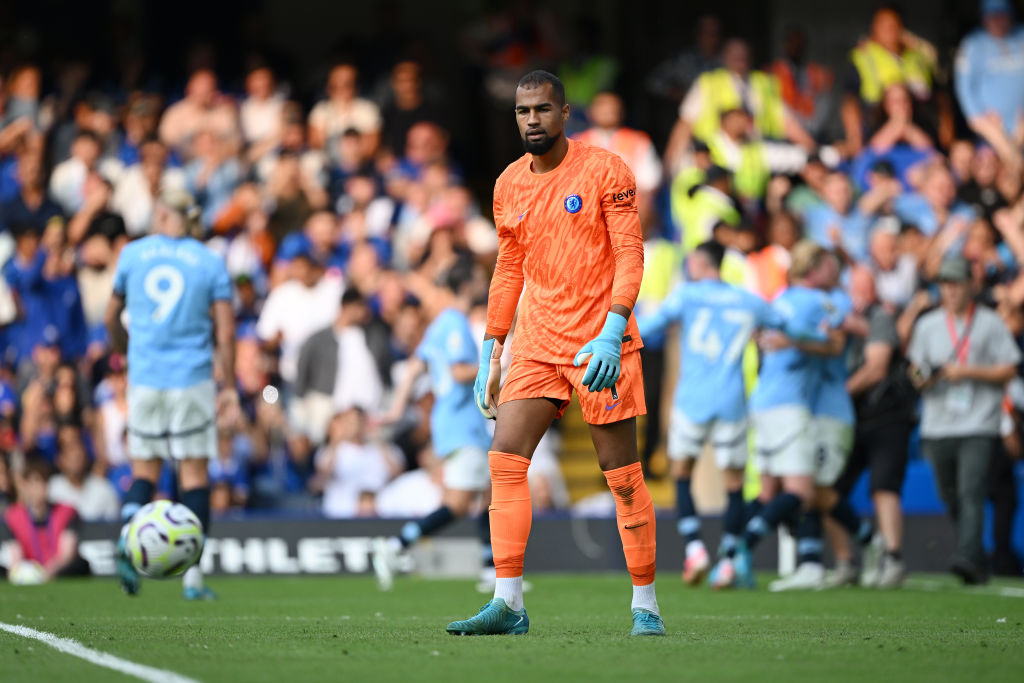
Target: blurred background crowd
341, 188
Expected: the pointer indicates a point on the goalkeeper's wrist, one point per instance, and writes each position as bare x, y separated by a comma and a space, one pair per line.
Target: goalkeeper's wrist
614, 326
487, 352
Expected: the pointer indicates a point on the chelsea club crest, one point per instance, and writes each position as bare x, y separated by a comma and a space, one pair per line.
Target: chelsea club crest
573, 203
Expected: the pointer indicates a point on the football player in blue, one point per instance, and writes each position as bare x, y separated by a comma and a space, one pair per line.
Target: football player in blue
458, 432
781, 408
709, 406
832, 420
174, 296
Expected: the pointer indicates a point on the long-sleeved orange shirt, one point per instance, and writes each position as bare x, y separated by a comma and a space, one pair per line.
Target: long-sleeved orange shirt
570, 241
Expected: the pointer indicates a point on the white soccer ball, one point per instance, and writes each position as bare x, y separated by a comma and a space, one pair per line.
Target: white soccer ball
164, 539
27, 573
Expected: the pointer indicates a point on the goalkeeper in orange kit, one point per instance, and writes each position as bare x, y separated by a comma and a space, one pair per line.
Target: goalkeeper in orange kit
570, 244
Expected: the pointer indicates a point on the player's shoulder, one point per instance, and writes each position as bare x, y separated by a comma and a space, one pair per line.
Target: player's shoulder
512, 172
840, 298
130, 252
594, 156
749, 298
133, 247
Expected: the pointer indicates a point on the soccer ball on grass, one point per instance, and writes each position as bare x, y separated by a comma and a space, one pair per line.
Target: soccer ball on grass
164, 539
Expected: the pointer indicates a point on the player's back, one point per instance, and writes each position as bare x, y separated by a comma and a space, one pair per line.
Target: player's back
786, 374
455, 421
169, 285
559, 223
829, 396
718, 320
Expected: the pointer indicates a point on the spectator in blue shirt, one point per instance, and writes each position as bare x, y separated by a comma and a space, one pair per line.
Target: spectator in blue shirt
213, 174
30, 206
838, 222
990, 78
935, 204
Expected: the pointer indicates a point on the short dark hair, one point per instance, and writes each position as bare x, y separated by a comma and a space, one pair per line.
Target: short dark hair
539, 77
352, 296
713, 251
85, 133
36, 465
458, 276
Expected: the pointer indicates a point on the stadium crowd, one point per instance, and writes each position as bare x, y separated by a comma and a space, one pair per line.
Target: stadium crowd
338, 221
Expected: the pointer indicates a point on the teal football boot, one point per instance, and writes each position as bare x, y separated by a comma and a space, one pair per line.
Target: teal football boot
127, 575
647, 623
494, 619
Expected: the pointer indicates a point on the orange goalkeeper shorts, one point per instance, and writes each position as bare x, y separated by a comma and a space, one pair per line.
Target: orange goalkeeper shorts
535, 379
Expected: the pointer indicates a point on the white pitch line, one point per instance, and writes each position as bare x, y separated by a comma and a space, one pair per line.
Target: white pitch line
997, 591
109, 661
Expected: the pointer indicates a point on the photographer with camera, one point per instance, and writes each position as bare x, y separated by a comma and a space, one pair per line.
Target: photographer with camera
962, 356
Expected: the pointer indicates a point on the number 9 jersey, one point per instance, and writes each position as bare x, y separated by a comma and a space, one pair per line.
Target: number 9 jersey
168, 285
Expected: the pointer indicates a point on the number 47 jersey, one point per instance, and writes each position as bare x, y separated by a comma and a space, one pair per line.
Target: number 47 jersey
168, 285
717, 320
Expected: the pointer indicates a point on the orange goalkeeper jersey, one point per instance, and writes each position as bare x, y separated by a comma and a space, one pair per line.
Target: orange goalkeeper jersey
569, 240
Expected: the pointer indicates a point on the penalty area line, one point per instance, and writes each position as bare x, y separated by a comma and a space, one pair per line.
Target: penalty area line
108, 661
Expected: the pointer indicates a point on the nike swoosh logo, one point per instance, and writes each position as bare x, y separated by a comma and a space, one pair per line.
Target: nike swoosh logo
518, 622
634, 525
614, 405
523, 214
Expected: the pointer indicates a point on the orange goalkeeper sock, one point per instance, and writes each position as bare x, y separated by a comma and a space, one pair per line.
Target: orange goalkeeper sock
634, 511
510, 512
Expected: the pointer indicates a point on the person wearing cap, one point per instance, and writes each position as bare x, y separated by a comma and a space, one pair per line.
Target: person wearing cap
962, 355
181, 328
990, 79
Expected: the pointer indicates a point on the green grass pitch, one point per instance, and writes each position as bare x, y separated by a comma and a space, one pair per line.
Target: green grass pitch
291, 630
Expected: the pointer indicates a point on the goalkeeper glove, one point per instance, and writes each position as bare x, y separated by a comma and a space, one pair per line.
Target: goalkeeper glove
488, 379
605, 352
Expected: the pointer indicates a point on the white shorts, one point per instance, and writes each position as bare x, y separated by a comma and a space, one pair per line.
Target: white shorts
467, 469
784, 441
728, 440
172, 423
310, 415
833, 440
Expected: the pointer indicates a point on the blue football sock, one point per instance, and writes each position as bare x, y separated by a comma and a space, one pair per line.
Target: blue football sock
865, 532
484, 527
783, 508
809, 544
734, 513
752, 509
689, 522
198, 501
844, 513
139, 493
436, 520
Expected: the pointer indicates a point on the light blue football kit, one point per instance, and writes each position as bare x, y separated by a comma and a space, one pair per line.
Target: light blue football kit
717, 321
458, 430
168, 285
780, 404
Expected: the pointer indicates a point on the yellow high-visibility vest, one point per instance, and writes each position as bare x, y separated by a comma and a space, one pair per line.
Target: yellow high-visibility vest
719, 94
699, 214
749, 178
878, 69
661, 263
